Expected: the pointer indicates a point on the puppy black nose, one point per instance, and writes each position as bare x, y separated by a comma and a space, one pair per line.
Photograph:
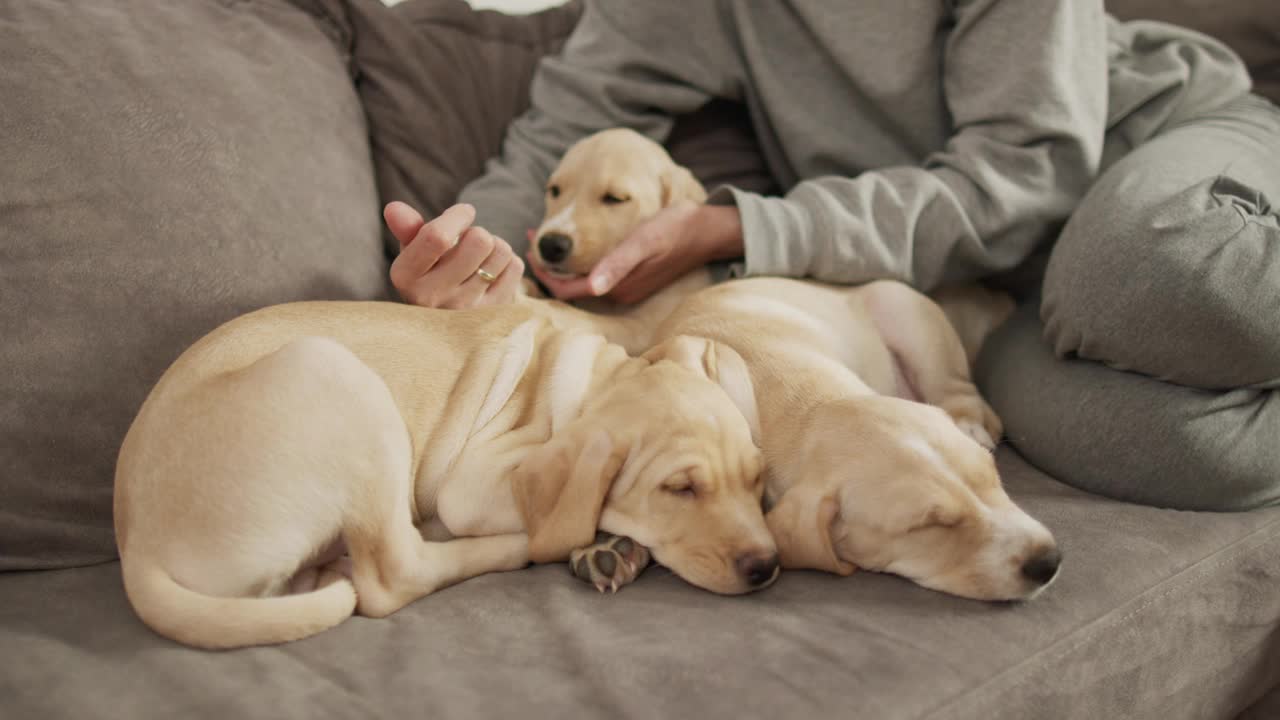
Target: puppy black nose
1042, 568
554, 247
757, 570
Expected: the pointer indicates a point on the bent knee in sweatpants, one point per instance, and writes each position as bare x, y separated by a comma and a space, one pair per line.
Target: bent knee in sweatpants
1129, 436
1170, 267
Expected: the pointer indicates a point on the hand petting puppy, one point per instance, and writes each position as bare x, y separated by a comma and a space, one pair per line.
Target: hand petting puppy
657, 252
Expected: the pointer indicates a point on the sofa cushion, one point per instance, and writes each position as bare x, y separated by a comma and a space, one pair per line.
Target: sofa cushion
165, 167
1157, 614
1250, 27
440, 82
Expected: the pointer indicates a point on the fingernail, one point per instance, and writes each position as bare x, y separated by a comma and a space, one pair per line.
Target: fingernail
600, 284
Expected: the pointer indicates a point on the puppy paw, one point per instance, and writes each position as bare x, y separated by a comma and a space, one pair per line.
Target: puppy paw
978, 433
341, 566
976, 419
613, 561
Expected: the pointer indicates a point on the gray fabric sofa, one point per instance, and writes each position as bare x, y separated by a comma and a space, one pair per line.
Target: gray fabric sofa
165, 167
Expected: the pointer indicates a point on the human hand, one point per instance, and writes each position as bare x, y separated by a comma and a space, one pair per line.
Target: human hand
449, 262
653, 255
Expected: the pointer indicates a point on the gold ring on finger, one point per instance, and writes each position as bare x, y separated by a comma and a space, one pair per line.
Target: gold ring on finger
485, 275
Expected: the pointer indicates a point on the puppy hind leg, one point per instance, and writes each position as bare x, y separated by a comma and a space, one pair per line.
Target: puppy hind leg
931, 354
316, 578
392, 565
400, 567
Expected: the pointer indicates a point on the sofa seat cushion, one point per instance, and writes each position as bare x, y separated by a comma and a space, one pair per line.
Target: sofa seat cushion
1157, 614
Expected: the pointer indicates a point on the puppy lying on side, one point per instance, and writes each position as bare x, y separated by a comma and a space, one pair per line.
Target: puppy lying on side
877, 444
272, 481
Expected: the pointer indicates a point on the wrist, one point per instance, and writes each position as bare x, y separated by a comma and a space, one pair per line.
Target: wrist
719, 229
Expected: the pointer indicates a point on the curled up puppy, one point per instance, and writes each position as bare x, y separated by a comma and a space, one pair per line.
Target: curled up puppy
310, 461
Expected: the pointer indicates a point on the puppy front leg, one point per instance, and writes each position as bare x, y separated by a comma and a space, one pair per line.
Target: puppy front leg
932, 357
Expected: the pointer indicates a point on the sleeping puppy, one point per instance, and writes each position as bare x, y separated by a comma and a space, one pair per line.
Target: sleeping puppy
287, 469
877, 444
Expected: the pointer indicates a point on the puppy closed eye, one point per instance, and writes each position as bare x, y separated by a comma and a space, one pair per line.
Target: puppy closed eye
680, 486
612, 199
936, 519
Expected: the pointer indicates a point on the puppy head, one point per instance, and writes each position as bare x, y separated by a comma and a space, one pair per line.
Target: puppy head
894, 486
665, 456
606, 185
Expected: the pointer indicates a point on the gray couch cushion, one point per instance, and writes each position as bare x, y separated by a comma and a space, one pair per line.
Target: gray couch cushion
164, 167
439, 82
1157, 614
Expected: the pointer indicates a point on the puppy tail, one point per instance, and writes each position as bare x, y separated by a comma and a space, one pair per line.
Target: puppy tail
974, 311
218, 623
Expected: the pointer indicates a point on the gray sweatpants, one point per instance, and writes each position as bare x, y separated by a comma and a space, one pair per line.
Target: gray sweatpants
1150, 369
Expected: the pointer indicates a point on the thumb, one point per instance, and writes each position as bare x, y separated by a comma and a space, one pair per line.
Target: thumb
617, 264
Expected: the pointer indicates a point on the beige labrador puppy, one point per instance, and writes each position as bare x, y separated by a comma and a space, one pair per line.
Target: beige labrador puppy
275, 478
877, 444
861, 471
606, 185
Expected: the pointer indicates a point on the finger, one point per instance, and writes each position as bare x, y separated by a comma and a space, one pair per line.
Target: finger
403, 221
410, 270
429, 244
451, 224
562, 288
643, 280
507, 286
619, 263
473, 288
461, 263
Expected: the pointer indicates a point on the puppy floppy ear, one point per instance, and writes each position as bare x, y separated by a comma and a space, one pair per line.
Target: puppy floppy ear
678, 184
719, 363
560, 489
801, 523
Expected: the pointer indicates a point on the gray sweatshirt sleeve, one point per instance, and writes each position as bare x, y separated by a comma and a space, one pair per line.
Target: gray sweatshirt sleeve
606, 76
1026, 85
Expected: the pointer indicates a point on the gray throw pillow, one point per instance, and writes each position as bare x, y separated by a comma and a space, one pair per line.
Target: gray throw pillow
165, 166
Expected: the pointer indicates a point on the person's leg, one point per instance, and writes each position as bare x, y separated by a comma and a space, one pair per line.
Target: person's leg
1127, 436
1171, 265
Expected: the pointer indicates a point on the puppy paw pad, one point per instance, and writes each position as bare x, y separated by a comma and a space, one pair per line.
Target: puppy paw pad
610, 563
